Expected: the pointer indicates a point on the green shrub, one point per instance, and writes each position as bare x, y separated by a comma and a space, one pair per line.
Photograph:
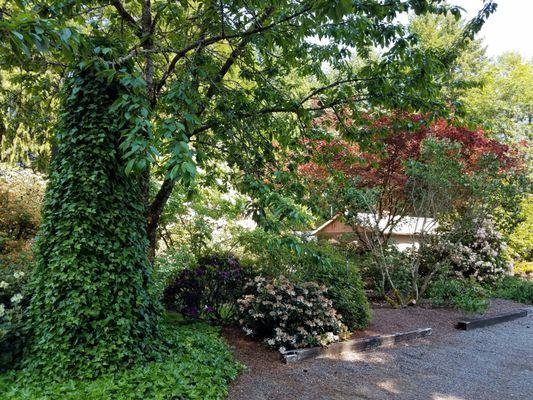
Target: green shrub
516, 289
199, 366
399, 271
521, 240
345, 286
464, 295
523, 267
289, 315
21, 194
301, 261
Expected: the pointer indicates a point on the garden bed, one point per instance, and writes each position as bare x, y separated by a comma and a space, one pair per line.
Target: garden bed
265, 368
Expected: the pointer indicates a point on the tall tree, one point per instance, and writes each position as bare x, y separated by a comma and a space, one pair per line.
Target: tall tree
439, 33
222, 77
91, 306
503, 104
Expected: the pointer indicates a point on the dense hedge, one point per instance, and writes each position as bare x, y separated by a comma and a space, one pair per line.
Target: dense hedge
92, 309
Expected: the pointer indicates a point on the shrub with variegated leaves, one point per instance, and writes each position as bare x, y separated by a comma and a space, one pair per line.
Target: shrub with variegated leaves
288, 315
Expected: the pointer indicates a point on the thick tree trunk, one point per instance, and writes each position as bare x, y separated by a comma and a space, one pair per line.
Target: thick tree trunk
154, 214
92, 308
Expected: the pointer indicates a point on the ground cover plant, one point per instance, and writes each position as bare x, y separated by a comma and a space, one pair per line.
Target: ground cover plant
198, 366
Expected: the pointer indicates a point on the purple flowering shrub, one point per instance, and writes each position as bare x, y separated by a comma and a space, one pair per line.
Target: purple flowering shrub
208, 291
287, 315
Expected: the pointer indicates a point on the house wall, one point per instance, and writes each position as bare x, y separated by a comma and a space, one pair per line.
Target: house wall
337, 231
405, 242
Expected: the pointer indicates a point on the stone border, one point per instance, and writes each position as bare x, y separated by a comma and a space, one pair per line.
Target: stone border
482, 322
357, 345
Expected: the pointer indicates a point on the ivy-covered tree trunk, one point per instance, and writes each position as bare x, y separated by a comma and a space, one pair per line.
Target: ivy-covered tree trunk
92, 307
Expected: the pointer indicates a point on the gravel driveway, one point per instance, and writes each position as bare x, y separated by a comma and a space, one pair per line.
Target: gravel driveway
484, 364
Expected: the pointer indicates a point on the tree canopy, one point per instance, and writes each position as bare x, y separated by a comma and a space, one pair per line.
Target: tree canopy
223, 81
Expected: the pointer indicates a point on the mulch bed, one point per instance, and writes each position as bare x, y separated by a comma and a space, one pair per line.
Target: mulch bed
261, 361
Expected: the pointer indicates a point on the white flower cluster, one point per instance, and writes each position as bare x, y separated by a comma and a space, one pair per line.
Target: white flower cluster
481, 255
289, 315
12, 309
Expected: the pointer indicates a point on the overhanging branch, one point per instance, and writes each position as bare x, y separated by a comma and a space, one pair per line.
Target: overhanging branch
126, 16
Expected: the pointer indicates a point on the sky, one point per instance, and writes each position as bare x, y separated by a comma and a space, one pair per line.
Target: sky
510, 28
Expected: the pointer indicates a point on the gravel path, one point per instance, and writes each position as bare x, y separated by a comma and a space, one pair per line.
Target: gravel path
484, 364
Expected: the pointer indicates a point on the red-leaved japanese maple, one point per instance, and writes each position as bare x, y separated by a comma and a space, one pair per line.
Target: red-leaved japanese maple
401, 139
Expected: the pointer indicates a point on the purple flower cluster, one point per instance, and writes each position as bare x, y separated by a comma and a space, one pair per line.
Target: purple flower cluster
208, 291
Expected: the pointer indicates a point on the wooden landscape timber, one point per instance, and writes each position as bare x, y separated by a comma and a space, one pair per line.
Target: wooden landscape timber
354, 345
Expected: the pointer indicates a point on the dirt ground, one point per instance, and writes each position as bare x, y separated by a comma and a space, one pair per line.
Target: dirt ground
491, 363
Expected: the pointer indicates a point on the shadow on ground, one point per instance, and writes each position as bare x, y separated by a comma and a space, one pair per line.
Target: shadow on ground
491, 363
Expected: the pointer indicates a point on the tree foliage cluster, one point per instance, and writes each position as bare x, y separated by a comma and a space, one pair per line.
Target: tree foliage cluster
404, 148
223, 80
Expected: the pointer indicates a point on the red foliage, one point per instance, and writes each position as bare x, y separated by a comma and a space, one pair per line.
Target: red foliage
386, 168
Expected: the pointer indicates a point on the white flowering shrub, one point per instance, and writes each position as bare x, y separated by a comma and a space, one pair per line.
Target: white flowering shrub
288, 315
479, 253
14, 299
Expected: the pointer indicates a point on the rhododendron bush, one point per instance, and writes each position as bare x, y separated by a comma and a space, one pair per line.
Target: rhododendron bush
288, 315
475, 251
208, 290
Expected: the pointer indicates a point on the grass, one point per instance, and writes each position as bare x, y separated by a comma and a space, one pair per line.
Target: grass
200, 366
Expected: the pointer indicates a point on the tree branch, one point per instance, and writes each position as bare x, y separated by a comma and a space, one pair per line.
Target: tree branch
156, 207
126, 16
203, 42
